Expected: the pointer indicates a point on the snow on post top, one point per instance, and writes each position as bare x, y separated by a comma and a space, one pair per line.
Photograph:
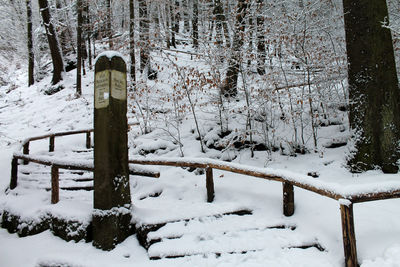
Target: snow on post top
110, 55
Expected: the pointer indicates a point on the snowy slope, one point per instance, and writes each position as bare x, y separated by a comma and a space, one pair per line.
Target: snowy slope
27, 112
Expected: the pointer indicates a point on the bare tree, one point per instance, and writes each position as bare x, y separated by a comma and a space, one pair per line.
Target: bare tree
195, 22
58, 65
132, 40
31, 56
144, 36
229, 87
79, 48
261, 53
373, 87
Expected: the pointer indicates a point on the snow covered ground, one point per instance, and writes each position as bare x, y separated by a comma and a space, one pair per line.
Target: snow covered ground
26, 112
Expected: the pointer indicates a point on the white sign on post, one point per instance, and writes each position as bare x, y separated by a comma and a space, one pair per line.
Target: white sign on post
118, 85
101, 92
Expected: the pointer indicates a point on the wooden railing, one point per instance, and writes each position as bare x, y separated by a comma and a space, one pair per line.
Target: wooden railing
56, 164
346, 200
288, 180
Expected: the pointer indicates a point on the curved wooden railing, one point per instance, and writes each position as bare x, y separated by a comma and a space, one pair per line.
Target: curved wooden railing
57, 164
343, 195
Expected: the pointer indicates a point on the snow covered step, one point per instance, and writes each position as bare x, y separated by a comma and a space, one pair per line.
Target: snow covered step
230, 242
145, 229
215, 225
222, 234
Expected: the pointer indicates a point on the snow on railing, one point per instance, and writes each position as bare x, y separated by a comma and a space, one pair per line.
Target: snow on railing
346, 195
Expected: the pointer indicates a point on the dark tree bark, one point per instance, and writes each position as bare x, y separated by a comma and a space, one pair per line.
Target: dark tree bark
58, 65
220, 23
109, 25
175, 22
89, 32
195, 22
218, 13
261, 53
172, 11
177, 17
186, 27
132, 41
79, 48
229, 86
144, 36
373, 87
31, 55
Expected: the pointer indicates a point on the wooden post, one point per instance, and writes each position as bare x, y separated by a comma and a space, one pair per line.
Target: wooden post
26, 152
210, 184
55, 186
51, 143
349, 238
14, 173
111, 171
288, 199
88, 140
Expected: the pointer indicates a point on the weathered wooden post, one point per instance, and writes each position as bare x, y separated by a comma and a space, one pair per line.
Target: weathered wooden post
88, 140
210, 184
14, 173
112, 199
55, 185
349, 237
26, 151
51, 143
288, 199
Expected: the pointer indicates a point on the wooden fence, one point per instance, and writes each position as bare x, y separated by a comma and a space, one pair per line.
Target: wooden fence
346, 201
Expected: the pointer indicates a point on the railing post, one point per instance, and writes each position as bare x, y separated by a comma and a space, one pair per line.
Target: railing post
51, 143
55, 188
210, 184
26, 151
288, 199
88, 140
349, 238
14, 173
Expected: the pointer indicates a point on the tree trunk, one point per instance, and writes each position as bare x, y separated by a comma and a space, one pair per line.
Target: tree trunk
144, 35
218, 17
132, 41
58, 65
109, 25
31, 55
229, 86
195, 22
261, 53
89, 32
186, 25
79, 48
172, 11
177, 18
167, 24
373, 87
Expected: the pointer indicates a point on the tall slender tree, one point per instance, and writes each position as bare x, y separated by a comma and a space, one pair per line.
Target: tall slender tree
58, 65
31, 55
373, 87
79, 48
132, 41
261, 53
195, 23
88, 31
109, 25
229, 86
144, 36
173, 17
